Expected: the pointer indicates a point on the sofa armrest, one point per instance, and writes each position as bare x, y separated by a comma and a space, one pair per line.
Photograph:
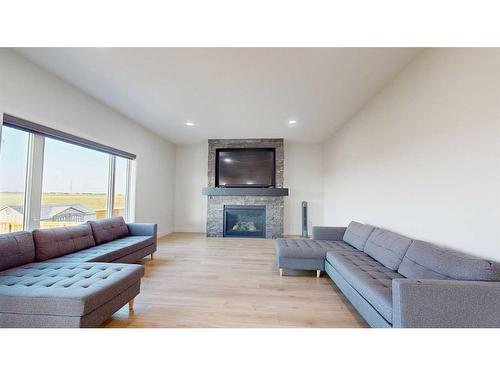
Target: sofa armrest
328, 233
445, 303
139, 229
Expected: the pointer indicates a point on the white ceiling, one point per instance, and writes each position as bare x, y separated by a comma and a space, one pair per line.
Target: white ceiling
229, 92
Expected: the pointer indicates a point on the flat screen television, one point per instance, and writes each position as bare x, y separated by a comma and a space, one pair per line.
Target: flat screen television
245, 167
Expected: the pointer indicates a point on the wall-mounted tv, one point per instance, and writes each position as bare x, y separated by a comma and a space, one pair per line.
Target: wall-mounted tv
245, 167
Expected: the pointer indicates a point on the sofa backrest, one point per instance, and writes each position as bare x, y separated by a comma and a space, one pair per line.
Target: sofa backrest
356, 234
387, 247
107, 230
56, 242
427, 261
16, 249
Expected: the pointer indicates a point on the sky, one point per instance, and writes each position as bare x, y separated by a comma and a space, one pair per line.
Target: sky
67, 168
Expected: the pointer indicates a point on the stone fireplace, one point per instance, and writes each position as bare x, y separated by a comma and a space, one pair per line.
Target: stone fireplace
245, 211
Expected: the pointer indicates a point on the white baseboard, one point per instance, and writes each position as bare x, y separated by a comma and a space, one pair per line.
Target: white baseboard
189, 230
165, 232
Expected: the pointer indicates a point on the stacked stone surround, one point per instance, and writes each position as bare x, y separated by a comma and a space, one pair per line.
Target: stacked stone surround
274, 205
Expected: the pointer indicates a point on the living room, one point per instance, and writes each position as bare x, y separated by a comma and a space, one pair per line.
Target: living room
225, 185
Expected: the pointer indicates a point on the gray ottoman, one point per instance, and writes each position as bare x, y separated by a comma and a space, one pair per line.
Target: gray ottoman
66, 294
305, 254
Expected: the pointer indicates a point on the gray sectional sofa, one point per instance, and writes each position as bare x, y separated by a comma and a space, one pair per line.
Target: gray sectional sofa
395, 281
72, 276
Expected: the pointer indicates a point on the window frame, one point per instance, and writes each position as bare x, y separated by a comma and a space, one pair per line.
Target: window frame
112, 187
34, 182
34, 174
26, 171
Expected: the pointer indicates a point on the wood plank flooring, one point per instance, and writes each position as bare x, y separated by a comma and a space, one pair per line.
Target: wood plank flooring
195, 281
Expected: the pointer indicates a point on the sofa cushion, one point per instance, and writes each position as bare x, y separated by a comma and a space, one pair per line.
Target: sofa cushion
107, 230
427, 261
308, 249
16, 249
357, 234
109, 251
64, 289
55, 242
368, 277
387, 247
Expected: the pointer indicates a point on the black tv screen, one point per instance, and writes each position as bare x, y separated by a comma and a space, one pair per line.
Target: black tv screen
245, 167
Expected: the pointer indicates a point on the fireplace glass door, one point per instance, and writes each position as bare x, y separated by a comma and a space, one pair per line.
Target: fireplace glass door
245, 221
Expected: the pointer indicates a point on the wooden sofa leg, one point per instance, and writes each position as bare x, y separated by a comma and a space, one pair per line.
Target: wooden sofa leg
318, 273
152, 256
131, 304
281, 271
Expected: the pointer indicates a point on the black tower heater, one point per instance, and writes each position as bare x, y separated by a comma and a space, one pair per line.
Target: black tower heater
304, 220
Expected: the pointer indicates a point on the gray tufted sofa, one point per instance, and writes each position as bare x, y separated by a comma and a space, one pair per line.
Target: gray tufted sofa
71, 276
394, 281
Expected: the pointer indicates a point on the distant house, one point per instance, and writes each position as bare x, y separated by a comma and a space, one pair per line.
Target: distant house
50, 212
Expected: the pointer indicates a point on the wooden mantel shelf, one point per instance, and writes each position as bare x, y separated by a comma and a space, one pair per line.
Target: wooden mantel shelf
270, 192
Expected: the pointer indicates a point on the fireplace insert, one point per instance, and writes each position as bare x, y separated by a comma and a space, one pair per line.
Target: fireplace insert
245, 221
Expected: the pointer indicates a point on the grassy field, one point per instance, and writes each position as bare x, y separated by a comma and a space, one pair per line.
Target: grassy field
92, 201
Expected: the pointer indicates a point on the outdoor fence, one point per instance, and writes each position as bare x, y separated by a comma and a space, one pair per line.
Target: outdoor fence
11, 226
7, 227
101, 214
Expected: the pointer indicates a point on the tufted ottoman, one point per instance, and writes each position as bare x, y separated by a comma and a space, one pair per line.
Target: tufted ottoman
306, 254
66, 294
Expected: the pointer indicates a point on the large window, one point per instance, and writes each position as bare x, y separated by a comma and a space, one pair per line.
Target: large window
75, 184
13, 162
51, 179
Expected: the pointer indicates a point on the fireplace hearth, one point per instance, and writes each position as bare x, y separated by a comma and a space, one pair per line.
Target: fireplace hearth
244, 221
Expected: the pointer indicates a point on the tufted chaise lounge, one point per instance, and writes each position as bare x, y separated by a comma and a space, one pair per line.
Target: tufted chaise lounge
65, 294
394, 281
55, 278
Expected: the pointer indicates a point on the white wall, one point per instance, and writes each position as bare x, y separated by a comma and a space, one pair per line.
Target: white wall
30, 92
304, 178
423, 157
191, 175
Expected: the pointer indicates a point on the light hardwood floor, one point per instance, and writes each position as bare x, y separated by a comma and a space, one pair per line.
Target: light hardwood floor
195, 281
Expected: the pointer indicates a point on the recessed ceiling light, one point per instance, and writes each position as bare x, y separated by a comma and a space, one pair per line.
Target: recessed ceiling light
189, 123
291, 122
